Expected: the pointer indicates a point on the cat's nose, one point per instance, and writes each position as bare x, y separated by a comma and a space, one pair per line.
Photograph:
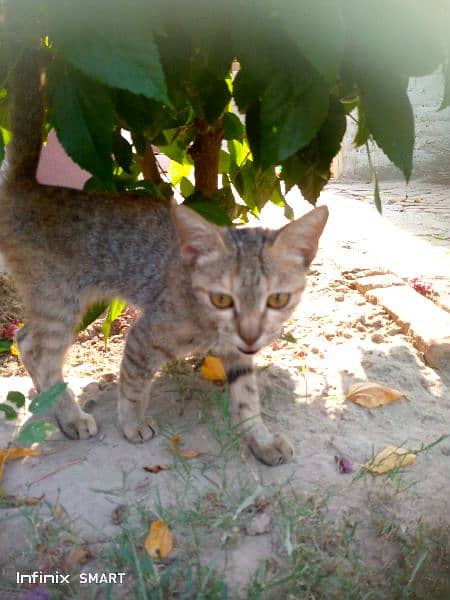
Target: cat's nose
249, 331
249, 339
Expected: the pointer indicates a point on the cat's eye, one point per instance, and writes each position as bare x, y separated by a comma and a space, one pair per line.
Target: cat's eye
278, 300
221, 300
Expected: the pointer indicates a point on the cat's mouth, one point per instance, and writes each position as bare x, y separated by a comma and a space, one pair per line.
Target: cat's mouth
247, 351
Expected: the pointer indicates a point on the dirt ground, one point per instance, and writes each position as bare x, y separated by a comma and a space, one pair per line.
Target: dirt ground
335, 339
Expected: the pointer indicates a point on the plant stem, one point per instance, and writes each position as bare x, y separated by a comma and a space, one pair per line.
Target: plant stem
149, 166
205, 153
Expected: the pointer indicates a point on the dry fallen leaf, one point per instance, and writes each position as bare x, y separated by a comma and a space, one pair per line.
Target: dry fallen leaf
79, 555
14, 454
371, 395
157, 468
212, 369
118, 514
189, 453
175, 447
175, 441
388, 459
8, 501
159, 541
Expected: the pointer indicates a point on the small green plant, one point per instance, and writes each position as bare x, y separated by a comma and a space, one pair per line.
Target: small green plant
114, 309
37, 431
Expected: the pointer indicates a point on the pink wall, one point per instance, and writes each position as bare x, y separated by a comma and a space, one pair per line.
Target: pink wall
56, 168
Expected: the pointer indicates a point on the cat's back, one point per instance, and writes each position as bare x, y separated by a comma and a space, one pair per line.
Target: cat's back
55, 218
99, 239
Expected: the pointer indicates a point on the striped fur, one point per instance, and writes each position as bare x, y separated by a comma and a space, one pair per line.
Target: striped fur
67, 248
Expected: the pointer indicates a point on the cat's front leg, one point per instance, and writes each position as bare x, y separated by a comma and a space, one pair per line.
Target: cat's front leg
270, 448
144, 354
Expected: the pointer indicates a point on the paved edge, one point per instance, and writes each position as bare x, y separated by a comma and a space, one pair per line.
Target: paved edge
426, 323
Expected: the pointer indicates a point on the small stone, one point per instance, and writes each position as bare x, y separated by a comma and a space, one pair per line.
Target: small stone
259, 524
377, 338
339, 298
347, 335
395, 331
329, 335
361, 328
315, 350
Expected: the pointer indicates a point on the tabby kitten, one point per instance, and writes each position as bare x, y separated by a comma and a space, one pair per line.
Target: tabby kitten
199, 286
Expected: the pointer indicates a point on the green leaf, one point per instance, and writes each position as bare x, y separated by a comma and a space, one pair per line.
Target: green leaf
247, 88
233, 129
446, 93
292, 110
10, 413
118, 50
210, 211
177, 171
114, 311
213, 97
317, 29
309, 168
186, 187
224, 162
35, 433
5, 345
94, 184
139, 113
376, 187
81, 111
93, 313
46, 400
16, 398
123, 152
238, 152
389, 117
362, 133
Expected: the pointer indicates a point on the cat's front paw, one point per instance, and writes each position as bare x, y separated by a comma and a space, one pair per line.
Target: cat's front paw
277, 452
138, 432
79, 425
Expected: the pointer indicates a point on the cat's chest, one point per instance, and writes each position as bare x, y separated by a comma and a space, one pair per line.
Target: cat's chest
191, 338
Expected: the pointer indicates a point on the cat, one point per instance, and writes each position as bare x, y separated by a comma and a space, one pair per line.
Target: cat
200, 287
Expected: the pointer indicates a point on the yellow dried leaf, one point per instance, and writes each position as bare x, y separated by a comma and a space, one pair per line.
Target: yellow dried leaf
14, 349
14, 454
212, 369
188, 453
371, 395
159, 541
175, 443
388, 459
79, 555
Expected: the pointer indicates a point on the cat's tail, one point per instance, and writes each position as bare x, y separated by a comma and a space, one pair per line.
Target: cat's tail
26, 115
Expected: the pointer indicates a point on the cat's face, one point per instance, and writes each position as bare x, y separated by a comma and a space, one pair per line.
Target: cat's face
248, 281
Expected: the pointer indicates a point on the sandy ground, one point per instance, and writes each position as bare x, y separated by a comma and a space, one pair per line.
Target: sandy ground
335, 339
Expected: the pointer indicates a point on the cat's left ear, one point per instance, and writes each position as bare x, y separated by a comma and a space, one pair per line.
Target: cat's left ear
199, 239
301, 237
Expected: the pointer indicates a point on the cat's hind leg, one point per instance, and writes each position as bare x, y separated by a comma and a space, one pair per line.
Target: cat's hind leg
42, 344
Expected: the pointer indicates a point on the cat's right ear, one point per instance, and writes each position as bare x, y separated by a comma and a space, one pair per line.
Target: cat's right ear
199, 239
